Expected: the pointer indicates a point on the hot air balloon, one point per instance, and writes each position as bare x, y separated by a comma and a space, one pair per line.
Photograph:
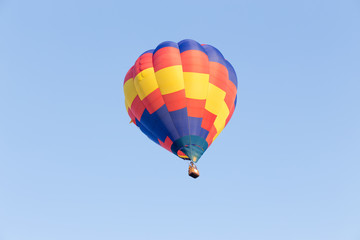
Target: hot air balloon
181, 95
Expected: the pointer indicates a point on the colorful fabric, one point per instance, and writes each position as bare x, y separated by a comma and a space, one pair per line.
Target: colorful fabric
181, 95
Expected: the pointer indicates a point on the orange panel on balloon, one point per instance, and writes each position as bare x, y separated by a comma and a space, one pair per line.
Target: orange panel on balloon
137, 107
153, 101
195, 107
208, 120
218, 75
143, 62
211, 135
129, 74
175, 101
167, 144
166, 57
195, 61
132, 116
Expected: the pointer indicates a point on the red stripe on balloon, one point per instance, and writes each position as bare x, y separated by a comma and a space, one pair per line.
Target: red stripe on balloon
230, 114
208, 120
137, 107
230, 94
175, 101
142, 63
153, 101
195, 107
219, 75
166, 57
132, 116
211, 135
166, 144
195, 61
129, 74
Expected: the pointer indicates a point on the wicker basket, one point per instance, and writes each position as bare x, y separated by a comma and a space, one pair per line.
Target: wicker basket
193, 171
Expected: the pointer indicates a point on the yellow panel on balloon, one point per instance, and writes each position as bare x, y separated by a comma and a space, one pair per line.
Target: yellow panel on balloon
196, 85
129, 92
170, 79
145, 82
215, 99
220, 120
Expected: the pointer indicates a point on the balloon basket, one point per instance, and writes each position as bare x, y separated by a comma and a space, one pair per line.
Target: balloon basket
193, 171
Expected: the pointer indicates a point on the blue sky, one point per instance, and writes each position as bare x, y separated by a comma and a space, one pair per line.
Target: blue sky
286, 167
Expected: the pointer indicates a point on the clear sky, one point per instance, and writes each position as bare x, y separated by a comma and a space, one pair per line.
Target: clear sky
285, 168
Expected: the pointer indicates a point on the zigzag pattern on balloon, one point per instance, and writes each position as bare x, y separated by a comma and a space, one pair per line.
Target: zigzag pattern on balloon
181, 95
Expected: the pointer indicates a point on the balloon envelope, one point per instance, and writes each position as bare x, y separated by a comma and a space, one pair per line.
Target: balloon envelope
181, 95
